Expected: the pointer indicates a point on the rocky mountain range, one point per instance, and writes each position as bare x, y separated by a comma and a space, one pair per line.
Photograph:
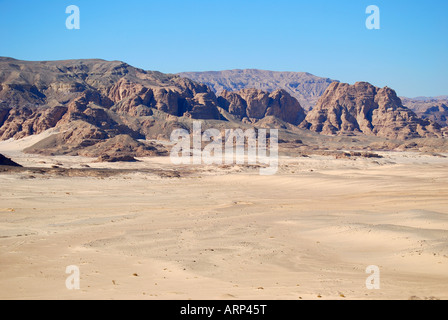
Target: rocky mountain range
102, 107
111, 110
305, 87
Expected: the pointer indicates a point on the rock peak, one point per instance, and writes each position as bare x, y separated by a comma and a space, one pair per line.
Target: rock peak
364, 108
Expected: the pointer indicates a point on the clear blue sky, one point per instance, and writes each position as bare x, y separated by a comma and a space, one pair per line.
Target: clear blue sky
324, 37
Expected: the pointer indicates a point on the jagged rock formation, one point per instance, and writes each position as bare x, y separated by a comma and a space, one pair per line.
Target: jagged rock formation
363, 108
35, 96
255, 105
305, 87
434, 109
94, 100
437, 113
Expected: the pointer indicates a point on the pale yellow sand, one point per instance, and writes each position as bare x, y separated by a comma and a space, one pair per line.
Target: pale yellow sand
230, 233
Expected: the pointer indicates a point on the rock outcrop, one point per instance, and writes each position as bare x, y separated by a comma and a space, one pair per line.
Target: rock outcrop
434, 109
255, 105
437, 113
366, 109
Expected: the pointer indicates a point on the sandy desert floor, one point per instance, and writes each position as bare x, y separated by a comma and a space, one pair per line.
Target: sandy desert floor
308, 232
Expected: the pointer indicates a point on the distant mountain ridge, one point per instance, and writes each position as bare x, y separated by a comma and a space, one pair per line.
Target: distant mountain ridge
429, 98
303, 86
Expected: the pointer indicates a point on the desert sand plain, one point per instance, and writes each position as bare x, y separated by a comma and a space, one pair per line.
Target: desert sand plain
152, 230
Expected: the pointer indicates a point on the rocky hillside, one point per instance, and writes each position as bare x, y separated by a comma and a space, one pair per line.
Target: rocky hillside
106, 108
366, 109
305, 87
434, 109
93, 101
